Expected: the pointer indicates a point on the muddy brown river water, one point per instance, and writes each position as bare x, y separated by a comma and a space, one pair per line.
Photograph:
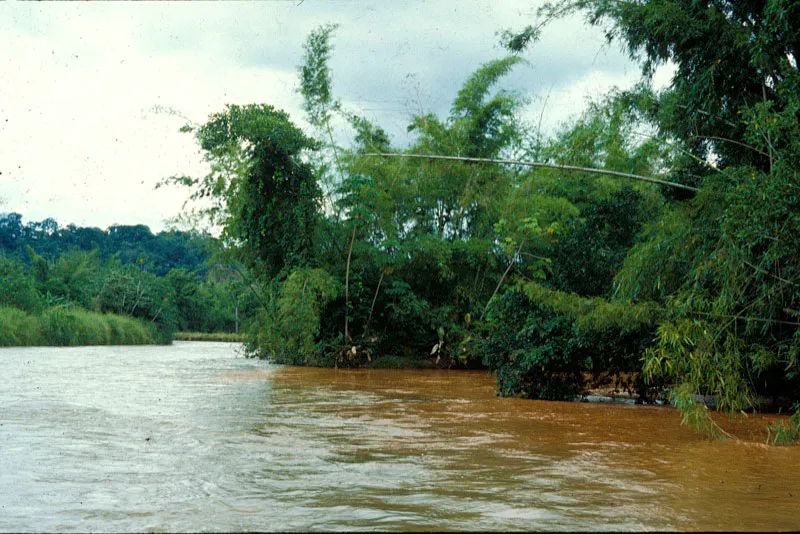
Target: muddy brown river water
194, 437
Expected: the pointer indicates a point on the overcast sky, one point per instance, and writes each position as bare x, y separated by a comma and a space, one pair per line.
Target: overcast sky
78, 139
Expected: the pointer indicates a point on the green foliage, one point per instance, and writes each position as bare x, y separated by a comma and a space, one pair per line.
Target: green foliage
724, 263
11, 230
16, 287
184, 295
591, 251
129, 244
69, 279
693, 352
72, 326
695, 412
130, 292
728, 57
484, 127
786, 433
479, 126
315, 78
128, 331
593, 314
60, 326
732, 332
659, 262
265, 196
532, 349
287, 331
543, 342
18, 329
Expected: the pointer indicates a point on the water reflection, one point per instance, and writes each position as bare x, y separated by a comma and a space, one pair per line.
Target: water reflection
192, 437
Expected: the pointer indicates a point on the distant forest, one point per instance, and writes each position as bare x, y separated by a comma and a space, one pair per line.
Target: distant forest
170, 281
130, 244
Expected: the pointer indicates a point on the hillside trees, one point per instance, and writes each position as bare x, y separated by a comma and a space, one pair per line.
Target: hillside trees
16, 287
134, 244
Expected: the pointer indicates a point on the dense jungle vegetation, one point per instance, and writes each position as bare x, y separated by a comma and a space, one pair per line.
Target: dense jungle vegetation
683, 276
123, 285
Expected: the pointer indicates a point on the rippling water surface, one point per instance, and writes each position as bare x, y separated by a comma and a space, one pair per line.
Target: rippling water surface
194, 437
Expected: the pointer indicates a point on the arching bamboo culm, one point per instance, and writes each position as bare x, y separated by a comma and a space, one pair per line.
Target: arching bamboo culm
573, 168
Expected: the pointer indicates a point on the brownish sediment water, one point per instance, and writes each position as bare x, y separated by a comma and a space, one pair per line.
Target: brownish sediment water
193, 437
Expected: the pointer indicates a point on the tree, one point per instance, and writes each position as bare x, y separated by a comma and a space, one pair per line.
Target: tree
724, 262
16, 287
69, 279
288, 329
129, 291
266, 197
10, 230
729, 56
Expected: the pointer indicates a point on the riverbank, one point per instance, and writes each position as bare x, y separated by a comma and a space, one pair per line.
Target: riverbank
209, 336
63, 327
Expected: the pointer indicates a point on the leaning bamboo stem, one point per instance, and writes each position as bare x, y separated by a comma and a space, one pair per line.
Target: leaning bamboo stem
502, 278
732, 141
347, 287
537, 164
335, 154
374, 299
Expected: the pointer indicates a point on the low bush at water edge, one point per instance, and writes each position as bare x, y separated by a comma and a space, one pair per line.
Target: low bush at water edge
70, 327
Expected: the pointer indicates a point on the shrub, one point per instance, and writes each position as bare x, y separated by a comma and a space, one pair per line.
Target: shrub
532, 349
287, 332
542, 342
16, 287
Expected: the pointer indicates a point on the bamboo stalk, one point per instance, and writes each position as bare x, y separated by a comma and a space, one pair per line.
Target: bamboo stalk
372, 308
536, 164
347, 287
502, 278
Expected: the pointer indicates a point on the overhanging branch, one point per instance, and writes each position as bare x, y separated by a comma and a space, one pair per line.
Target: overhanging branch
535, 164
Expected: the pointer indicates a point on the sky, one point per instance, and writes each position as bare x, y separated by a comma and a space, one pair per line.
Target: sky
80, 140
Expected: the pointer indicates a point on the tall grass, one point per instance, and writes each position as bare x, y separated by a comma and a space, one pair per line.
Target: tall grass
18, 329
128, 331
70, 327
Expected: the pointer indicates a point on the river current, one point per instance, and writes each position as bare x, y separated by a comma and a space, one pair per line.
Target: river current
195, 437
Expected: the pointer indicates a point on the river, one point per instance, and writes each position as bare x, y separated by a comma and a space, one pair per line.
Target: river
194, 437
